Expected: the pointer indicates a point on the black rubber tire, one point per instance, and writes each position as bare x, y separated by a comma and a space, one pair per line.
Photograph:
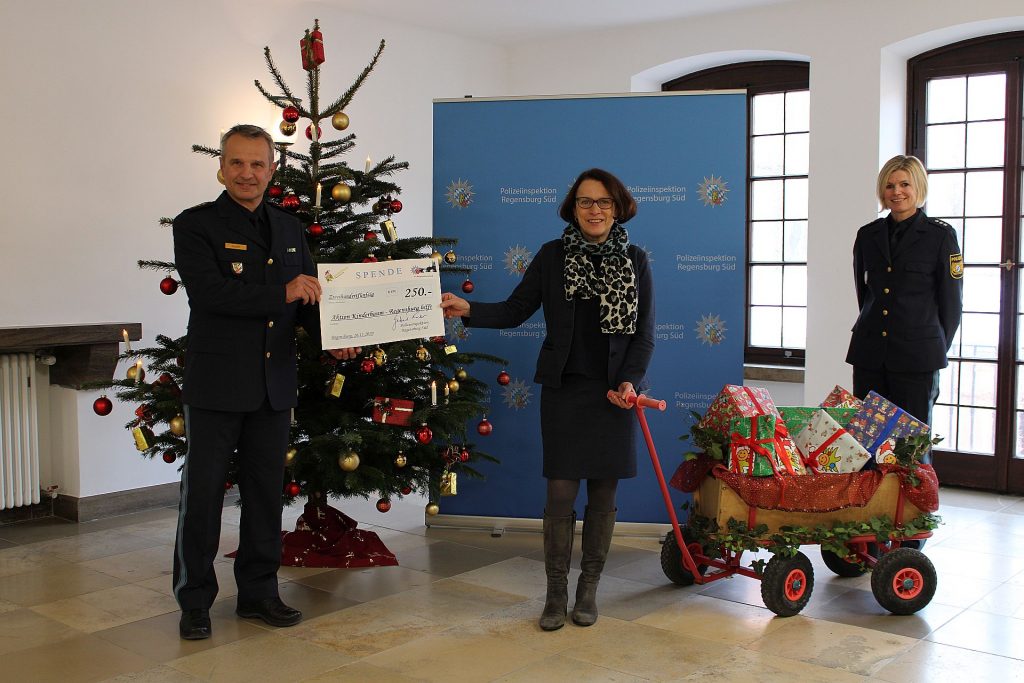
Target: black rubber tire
787, 584
904, 581
672, 560
840, 566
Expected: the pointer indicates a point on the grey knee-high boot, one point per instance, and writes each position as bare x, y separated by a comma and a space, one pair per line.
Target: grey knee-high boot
558, 533
597, 538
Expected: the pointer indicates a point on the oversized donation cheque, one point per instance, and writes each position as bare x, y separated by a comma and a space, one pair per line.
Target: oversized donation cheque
372, 303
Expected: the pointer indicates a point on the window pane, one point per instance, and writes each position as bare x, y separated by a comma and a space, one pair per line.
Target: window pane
978, 335
765, 200
977, 428
1020, 392
766, 155
1020, 436
797, 154
984, 193
946, 146
794, 285
945, 194
981, 289
765, 326
796, 198
978, 384
766, 285
765, 241
944, 425
954, 348
796, 241
767, 114
986, 97
958, 227
984, 144
794, 328
947, 99
798, 111
982, 240
949, 383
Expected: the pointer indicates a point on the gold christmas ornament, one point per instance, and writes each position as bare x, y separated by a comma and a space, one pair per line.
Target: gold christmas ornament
340, 121
287, 128
436, 255
341, 192
135, 373
422, 354
379, 357
401, 460
461, 374
177, 425
450, 257
220, 176
349, 461
453, 385
432, 509
289, 456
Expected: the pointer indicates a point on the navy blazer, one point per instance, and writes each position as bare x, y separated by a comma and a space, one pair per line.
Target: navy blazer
910, 301
543, 284
241, 333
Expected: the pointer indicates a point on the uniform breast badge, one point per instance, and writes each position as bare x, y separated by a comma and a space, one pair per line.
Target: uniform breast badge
237, 267
956, 266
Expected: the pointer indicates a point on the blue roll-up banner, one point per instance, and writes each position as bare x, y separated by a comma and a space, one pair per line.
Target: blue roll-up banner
501, 169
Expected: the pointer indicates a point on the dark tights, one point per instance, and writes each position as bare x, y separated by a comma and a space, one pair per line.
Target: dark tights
562, 495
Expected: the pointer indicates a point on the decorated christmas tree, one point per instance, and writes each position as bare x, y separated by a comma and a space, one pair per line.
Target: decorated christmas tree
404, 416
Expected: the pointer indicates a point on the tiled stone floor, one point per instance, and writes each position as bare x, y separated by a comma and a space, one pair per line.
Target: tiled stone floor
90, 602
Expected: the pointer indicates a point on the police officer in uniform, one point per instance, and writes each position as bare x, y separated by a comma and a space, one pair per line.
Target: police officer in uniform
909, 279
250, 280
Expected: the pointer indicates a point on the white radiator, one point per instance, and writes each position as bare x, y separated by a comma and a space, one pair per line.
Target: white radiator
19, 431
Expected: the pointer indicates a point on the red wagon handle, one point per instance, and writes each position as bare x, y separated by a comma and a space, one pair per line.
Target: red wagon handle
644, 401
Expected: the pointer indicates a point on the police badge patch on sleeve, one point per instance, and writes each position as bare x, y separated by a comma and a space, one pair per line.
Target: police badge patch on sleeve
956, 266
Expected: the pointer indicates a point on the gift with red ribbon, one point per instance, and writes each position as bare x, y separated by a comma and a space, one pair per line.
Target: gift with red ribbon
878, 424
392, 411
760, 446
798, 417
312, 47
828, 448
733, 402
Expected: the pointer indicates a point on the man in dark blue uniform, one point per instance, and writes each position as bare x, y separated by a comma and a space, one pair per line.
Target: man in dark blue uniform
250, 280
909, 278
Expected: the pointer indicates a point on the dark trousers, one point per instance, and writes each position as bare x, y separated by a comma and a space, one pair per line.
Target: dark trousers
261, 439
915, 392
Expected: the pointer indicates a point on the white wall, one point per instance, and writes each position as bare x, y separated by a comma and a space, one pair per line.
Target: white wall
103, 100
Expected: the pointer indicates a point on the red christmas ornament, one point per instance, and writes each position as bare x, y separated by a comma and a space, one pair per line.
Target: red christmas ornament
168, 285
406, 490
424, 434
368, 365
315, 229
370, 259
370, 235
169, 457
464, 455
142, 412
290, 114
293, 489
437, 340
484, 428
275, 191
504, 378
468, 287
102, 406
309, 132
396, 206
383, 505
290, 201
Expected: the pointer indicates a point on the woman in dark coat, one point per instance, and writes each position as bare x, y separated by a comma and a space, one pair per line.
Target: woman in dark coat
598, 302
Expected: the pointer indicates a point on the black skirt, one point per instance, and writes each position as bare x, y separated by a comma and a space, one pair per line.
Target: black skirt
584, 435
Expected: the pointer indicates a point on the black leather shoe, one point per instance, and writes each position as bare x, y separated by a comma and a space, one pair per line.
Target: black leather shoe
194, 624
270, 610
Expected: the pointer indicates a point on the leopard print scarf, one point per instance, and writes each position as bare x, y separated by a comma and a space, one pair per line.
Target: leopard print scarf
615, 283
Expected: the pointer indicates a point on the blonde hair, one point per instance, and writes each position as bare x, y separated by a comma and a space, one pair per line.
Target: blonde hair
914, 168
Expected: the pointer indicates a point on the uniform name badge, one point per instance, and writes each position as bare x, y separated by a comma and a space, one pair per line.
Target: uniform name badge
363, 304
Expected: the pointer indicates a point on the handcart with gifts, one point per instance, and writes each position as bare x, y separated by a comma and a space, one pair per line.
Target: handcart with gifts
903, 579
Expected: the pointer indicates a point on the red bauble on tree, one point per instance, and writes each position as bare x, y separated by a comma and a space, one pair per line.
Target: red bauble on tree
309, 132
464, 455
504, 378
370, 259
293, 489
290, 201
396, 206
315, 229
370, 235
102, 406
383, 505
406, 490
169, 457
485, 427
424, 433
367, 365
275, 191
468, 286
168, 285
290, 114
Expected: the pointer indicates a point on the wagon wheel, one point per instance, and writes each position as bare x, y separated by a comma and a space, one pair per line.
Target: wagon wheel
672, 559
787, 583
841, 566
903, 581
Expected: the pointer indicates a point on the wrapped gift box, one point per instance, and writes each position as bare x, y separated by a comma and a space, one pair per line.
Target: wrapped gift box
827, 447
392, 411
878, 424
798, 417
312, 47
760, 446
841, 398
733, 402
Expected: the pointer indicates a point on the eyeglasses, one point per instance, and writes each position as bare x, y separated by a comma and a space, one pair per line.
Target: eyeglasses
587, 202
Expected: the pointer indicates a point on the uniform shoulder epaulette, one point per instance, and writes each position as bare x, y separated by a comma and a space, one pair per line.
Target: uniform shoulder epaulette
197, 207
941, 223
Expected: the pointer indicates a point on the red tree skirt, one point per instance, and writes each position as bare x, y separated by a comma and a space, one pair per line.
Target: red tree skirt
325, 537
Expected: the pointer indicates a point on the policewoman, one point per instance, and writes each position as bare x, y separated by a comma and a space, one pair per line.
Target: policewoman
908, 272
